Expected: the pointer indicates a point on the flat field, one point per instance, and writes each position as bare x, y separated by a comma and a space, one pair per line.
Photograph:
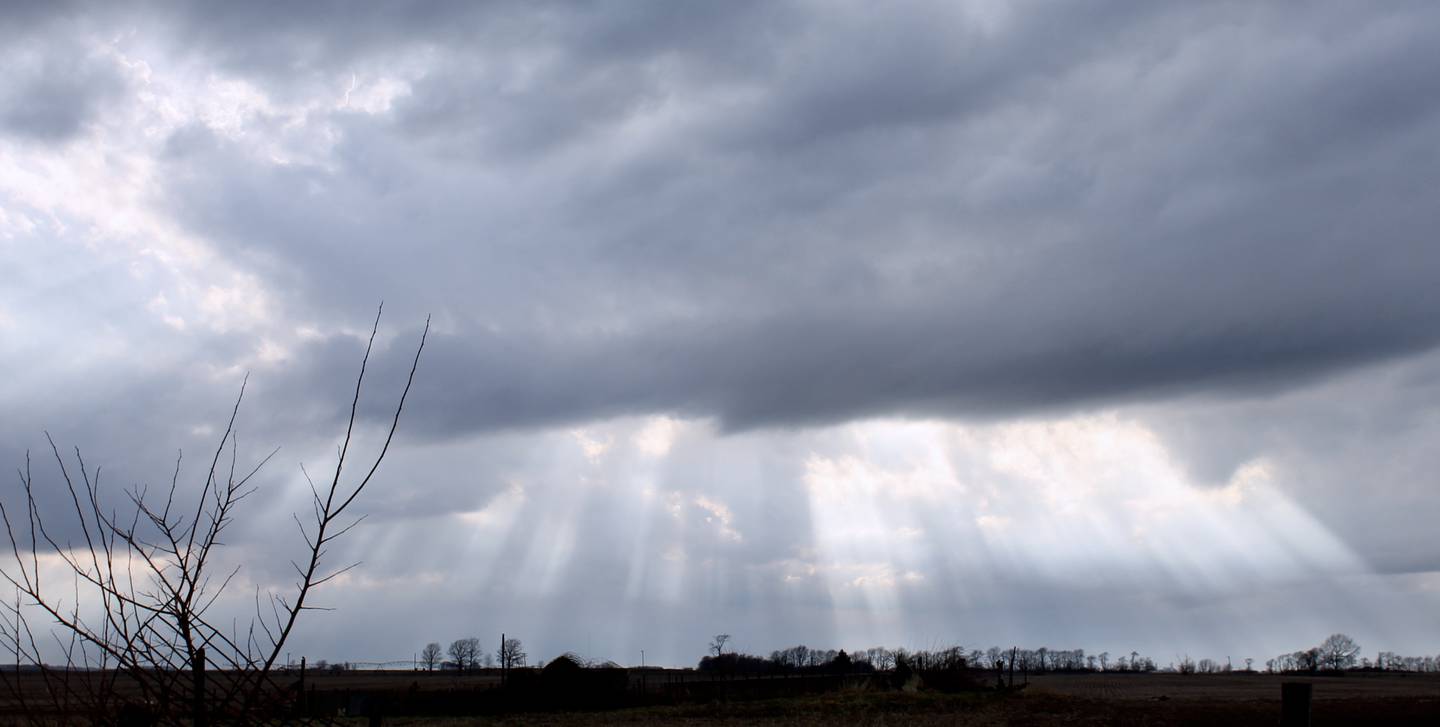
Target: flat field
1235, 700
1236, 687
1082, 699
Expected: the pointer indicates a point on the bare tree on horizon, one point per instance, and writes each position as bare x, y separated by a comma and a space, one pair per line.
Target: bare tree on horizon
464, 652
430, 657
511, 653
718, 644
1338, 652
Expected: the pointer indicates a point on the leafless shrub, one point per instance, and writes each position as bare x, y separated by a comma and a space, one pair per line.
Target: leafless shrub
131, 621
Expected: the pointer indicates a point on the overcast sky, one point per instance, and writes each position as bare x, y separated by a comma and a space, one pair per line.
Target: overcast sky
1091, 325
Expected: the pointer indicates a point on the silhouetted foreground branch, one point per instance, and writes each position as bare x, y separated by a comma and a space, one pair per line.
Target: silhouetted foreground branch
130, 616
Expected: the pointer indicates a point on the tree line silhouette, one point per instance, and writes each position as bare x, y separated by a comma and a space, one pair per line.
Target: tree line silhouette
467, 655
1337, 653
802, 659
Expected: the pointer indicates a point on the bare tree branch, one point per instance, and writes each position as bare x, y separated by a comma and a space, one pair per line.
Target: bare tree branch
141, 584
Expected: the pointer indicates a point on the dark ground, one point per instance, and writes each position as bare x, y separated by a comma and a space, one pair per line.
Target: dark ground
1235, 700
1082, 699
1026, 709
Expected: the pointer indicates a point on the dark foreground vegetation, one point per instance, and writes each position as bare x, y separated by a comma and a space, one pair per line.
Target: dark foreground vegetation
565, 693
1194, 703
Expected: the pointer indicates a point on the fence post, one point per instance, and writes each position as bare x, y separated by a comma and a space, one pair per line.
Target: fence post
197, 674
375, 711
1295, 704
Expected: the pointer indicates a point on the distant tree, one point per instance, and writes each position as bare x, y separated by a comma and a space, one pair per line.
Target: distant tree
881, 657
1248, 662
732, 662
1337, 652
899, 655
511, 654
717, 645
464, 652
799, 656
1308, 660
431, 655
1104, 661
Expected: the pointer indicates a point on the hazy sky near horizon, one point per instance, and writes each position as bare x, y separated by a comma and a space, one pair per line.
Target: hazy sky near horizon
1107, 325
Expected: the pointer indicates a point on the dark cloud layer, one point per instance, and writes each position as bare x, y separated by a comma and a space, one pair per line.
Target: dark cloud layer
883, 212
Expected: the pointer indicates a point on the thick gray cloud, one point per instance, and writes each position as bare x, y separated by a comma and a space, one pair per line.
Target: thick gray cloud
944, 222
774, 222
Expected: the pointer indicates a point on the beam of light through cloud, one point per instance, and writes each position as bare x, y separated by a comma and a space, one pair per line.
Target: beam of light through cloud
1082, 505
903, 532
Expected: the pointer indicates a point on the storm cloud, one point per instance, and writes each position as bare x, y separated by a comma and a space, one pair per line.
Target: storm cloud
762, 235
947, 226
